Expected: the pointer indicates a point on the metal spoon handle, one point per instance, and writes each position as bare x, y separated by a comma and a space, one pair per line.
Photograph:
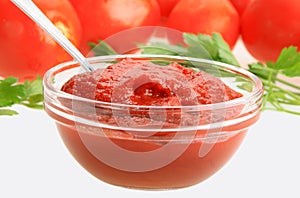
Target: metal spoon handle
31, 10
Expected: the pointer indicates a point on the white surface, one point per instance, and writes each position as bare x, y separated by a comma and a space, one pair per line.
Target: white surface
34, 162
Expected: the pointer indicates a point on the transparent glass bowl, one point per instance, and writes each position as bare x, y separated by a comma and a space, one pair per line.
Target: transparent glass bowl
153, 147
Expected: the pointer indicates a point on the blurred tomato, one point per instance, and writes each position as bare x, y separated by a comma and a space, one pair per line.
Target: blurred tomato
166, 6
126, 41
206, 16
25, 49
101, 19
240, 5
267, 26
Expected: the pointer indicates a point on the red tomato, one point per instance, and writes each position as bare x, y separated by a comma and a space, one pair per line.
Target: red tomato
269, 25
240, 5
206, 16
101, 19
125, 42
166, 6
25, 49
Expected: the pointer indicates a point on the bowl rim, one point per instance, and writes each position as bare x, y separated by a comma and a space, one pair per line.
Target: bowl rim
257, 91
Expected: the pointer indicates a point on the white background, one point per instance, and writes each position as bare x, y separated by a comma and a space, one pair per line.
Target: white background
35, 163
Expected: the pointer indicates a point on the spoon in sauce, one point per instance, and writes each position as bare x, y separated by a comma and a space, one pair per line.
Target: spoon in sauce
31, 10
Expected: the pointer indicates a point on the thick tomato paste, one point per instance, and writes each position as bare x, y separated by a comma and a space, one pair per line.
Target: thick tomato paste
155, 160
145, 83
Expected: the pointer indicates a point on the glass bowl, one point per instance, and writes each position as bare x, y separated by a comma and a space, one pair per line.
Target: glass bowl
153, 147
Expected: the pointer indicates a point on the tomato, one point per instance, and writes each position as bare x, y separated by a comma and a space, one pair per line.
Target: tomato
101, 19
206, 16
126, 41
166, 6
269, 25
240, 5
25, 49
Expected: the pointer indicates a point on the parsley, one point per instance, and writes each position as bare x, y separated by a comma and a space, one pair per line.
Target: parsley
278, 91
29, 94
198, 46
102, 48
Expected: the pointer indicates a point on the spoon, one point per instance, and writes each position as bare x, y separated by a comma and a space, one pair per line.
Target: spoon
31, 10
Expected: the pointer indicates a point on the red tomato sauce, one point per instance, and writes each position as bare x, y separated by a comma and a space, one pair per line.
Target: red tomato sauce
144, 83
187, 170
139, 82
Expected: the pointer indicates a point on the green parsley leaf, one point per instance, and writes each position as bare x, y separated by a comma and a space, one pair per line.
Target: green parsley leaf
102, 48
11, 92
34, 93
8, 112
163, 48
224, 52
198, 46
288, 62
29, 93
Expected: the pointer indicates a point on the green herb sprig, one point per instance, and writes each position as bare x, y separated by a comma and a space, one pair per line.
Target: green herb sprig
198, 46
279, 92
28, 93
